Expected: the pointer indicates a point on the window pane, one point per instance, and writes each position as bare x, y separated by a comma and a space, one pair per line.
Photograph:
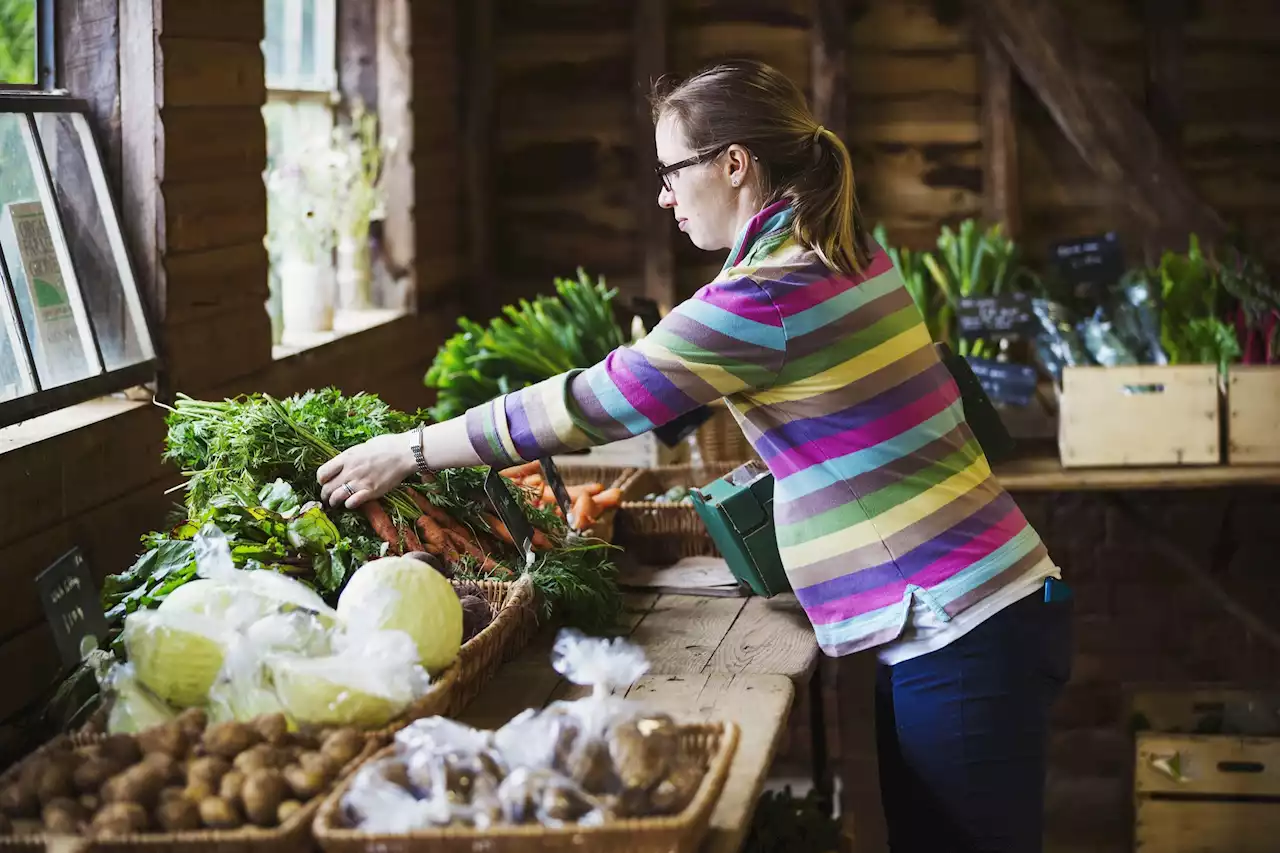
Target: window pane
307, 50
101, 267
13, 373
26, 239
274, 45
18, 41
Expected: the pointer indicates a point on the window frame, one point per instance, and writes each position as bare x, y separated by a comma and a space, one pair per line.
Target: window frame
43, 401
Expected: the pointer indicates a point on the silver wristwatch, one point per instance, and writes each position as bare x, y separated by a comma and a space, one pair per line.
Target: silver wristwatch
419, 456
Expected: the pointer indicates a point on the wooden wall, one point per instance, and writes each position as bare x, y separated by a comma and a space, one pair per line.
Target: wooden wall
193, 131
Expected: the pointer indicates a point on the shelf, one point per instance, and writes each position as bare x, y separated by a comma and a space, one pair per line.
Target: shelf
1046, 474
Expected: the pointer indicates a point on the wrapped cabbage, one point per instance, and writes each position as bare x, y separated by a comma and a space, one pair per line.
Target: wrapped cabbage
404, 594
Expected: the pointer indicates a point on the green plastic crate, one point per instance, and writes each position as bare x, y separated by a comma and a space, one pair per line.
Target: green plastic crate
738, 512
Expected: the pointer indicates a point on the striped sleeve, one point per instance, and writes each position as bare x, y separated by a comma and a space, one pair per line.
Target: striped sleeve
728, 338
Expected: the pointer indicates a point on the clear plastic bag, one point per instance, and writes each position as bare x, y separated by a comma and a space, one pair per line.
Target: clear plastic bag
1102, 342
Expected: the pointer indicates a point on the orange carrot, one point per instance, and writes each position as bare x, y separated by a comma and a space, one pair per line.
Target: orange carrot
588, 488
516, 472
411, 540
382, 525
583, 511
540, 540
499, 529
608, 498
532, 480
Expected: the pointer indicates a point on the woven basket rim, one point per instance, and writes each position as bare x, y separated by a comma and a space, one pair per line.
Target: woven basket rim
695, 813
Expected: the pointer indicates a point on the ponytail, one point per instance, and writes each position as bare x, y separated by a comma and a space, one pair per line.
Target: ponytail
825, 201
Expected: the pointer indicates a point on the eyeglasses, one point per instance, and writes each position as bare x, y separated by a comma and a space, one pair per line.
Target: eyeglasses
665, 172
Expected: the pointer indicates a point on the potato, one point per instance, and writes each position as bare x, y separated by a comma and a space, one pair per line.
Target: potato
231, 786
209, 770
197, 792
168, 739
673, 793
318, 762
178, 814
64, 816
119, 819
123, 749
56, 782
273, 728
263, 792
193, 722
140, 784
18, 800
93, 773
229, 739
304, 783
173, 770
217, 813
287, 810
343, 745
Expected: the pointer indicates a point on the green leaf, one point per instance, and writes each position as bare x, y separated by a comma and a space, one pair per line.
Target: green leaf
313, 532
279, 497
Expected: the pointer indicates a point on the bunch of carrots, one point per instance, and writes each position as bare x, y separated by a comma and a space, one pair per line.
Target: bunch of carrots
590, 500
435, 531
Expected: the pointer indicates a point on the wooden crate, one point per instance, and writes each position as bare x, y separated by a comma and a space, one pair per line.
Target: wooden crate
1206, 794
1197, 789
1253, 415
1133, 416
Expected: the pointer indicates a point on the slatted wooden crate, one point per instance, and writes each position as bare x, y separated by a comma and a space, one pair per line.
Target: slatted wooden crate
1134, 416
1206, 793
1253, 415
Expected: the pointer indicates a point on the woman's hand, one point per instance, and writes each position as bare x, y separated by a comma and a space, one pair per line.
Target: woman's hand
366, 472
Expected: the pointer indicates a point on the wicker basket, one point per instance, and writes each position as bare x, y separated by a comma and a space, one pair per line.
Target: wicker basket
715, 743
515, 621
659, 534
292, 835
720, 439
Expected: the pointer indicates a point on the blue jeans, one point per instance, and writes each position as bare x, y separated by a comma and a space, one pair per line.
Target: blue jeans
962, 733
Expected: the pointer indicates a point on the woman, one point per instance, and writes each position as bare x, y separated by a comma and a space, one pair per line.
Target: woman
894, 533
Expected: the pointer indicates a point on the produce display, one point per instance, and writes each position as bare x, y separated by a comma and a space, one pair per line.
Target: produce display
187, 774
590, 500
530, 342
582, 762
674, 495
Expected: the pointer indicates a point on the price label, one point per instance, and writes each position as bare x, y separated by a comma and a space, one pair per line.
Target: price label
510, 512
72, 606
551, 476
1007, 316
1006, 383
1089, 265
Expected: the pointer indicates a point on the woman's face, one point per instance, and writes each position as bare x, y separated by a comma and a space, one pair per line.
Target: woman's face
709, 198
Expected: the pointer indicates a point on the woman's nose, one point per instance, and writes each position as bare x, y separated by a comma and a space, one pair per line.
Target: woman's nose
666, 198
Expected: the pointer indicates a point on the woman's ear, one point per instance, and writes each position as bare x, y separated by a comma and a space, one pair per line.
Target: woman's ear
738, 164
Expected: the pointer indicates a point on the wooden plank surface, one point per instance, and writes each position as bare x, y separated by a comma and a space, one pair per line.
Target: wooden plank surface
1046, 474
682, 632
770, 635
650, 63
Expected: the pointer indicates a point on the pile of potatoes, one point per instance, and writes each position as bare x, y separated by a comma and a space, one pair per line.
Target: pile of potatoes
184, 775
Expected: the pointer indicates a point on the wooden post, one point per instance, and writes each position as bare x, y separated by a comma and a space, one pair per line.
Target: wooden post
830, 65
478, 104
393, 86
1095, 113
650, 63
999, 139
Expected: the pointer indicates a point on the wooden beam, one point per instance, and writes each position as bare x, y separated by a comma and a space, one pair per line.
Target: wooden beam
478, 105
650, 58
830, 65
999, 140
1097, 116
1165, 21
358, 51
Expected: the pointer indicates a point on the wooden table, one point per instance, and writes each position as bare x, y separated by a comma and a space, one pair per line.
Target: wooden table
733, 659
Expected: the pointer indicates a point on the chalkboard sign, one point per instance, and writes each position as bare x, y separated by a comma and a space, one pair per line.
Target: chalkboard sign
72, 606
510, 513
551, 476
1006, 316
1004, 382
1089, 265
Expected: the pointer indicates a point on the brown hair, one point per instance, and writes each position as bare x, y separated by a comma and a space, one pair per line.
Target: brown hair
759, 108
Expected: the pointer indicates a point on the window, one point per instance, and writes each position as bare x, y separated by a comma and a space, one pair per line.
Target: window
321, 192
72, 325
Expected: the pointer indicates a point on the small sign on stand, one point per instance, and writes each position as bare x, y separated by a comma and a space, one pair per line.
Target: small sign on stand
1007, 316
72, 606
1089, 265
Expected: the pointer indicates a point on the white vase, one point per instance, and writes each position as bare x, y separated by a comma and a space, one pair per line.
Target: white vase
355, 275
307, 294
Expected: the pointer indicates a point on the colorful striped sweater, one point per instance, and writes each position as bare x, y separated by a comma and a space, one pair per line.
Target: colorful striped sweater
881, 492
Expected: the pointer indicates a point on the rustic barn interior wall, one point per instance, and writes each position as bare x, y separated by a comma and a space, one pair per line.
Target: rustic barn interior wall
99, 484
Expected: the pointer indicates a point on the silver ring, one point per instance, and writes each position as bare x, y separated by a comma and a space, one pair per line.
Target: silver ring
350, 491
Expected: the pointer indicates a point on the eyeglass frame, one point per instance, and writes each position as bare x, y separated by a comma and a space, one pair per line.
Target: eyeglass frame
664, 172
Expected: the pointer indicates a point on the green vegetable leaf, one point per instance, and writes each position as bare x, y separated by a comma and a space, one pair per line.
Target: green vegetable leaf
279, 497
312, 532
